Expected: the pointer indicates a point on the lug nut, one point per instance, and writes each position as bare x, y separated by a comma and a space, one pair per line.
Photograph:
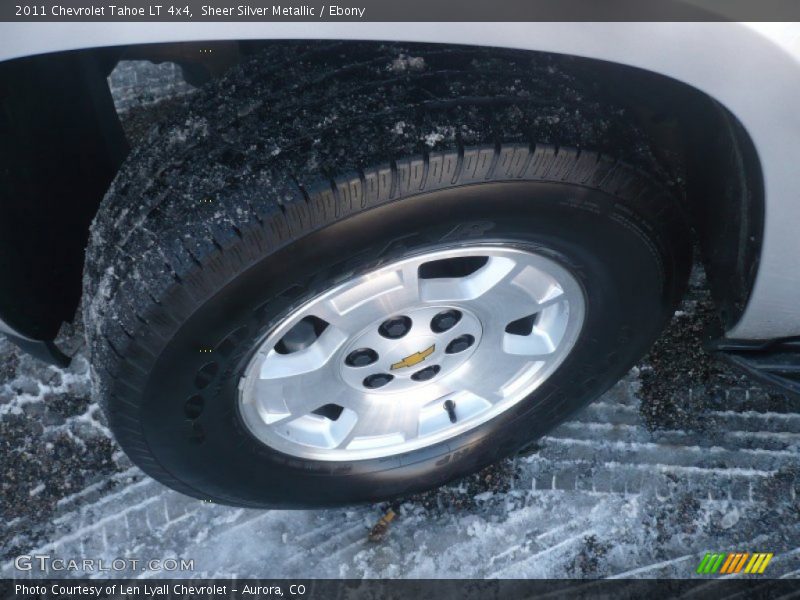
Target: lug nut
395, 328
378, 380
426, 373
460, 344
361, 357
445, 320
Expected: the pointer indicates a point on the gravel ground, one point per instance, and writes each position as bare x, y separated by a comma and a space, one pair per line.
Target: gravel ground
681, 457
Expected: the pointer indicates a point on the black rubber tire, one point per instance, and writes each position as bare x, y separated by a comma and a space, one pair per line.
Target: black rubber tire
256, 200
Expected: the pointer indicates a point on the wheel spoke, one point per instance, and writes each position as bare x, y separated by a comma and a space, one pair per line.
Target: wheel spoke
408, 424
488, 374
360, 429
306, 361
470, 287
510, 299
380, 422
282, 401
501, 305
353, 307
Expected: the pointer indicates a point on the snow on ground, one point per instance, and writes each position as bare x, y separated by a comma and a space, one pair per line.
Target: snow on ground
604, 495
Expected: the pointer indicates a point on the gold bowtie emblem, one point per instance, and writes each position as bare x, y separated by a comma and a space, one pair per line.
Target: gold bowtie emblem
414, 359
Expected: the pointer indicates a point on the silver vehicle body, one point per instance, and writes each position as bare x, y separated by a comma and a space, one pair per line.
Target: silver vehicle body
751, 69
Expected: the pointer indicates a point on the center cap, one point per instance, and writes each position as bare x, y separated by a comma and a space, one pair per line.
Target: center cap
424, 353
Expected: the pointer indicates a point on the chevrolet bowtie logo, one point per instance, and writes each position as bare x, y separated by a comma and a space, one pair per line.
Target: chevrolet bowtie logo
414, 359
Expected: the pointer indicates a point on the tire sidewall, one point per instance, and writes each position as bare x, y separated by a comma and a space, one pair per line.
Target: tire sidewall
622, 264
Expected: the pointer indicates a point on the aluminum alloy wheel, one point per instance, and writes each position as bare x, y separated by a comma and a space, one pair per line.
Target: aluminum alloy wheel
411, 354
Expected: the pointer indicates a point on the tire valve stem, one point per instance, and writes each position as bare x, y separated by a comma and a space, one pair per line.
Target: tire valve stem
450, 407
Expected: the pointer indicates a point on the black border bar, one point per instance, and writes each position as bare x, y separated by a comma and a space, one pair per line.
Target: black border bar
376, 589
396, 10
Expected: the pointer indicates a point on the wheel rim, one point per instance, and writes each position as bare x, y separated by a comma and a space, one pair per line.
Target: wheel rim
412, 353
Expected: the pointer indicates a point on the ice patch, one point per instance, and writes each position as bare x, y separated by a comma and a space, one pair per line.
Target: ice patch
407, 63
193, 127
441, 133
432, 138
730, 518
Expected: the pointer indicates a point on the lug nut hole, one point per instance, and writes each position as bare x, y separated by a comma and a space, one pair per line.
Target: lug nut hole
377, 380
460, 344
395, 328
194, 407
426, 373
361, 357
445, 320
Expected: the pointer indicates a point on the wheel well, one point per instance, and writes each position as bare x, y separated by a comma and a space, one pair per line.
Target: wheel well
62, 144
724, 190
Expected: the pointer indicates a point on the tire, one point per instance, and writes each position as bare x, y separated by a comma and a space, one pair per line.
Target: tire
280, 183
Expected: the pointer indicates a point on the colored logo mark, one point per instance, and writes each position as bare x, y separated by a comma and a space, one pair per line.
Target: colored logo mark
414, 359
734, 562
